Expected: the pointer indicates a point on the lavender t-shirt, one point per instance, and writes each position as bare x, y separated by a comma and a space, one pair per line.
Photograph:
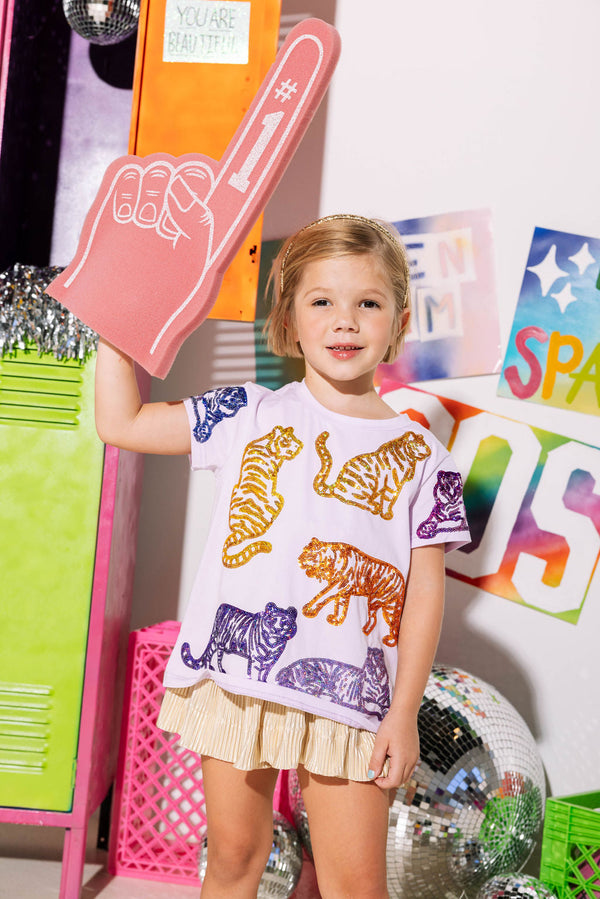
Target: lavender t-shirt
299, 594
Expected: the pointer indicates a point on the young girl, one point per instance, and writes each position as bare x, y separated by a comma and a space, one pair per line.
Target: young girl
316, 611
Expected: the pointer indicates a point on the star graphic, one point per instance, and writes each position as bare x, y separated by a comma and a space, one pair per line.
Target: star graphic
565, 297
582, 258
547, 270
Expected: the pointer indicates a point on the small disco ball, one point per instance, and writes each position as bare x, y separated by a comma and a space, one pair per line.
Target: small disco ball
299, 811
283, 868
513, 886
102, 21
473, 808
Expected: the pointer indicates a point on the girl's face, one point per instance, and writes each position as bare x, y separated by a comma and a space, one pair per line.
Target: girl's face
344, 317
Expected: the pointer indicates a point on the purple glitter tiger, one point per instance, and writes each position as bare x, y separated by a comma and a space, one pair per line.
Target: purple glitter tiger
448, 513
215, 405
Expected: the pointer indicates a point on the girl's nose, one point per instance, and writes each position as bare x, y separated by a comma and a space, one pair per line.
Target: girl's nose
345, 320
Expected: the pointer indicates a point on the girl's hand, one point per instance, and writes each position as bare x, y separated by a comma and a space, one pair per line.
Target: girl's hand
398, 740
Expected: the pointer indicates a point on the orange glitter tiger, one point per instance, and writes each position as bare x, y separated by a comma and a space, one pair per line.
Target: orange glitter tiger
350, 572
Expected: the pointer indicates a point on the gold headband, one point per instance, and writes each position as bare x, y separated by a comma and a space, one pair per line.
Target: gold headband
333, 218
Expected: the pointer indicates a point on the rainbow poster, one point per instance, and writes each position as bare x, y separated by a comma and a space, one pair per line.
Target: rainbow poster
553, 354
533, 504
454, 328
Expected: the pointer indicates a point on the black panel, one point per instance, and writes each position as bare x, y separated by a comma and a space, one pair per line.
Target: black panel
30, 150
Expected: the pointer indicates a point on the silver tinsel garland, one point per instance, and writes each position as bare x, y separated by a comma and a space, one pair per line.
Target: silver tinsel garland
30, 318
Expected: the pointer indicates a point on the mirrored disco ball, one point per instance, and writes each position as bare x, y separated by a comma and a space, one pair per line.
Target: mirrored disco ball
283, 868
513, 886
474, 806
299, 811
102, 21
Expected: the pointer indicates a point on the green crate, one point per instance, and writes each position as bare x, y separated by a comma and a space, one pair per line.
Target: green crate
571, 846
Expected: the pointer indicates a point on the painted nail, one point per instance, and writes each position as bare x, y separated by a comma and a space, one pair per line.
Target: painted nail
370, 774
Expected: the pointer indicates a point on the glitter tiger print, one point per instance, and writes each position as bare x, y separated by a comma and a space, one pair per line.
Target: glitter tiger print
258, 637
349, 572
255, 502
448, 513
372, 481
214, 406
366, 689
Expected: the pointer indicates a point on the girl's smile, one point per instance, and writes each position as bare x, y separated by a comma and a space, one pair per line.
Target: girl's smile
344, 352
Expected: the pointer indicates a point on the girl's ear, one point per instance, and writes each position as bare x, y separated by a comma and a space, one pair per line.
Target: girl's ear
403, 321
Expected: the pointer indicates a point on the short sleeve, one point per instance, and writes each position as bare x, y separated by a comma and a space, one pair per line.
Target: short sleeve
438, 512
214, 419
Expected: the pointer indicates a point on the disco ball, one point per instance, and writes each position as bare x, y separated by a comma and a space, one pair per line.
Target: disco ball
102, 21
299, 811
513, 886
473, 808
283, 868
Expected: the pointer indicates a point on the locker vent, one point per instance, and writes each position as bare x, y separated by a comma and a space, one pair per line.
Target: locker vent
25, 718
40, 394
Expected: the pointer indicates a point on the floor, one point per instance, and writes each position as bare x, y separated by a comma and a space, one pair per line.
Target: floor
30, 864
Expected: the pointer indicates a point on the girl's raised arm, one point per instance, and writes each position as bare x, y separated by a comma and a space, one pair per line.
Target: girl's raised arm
124, 421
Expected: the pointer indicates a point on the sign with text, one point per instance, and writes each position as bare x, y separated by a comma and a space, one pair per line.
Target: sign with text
532, 499
553, 355
207, 31
454, 329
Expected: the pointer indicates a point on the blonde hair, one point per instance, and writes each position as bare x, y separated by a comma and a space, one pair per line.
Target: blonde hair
329, 237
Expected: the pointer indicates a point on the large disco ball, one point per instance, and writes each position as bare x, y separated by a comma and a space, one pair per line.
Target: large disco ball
102, 21
299, 811
515, 886
473, 808
283, 868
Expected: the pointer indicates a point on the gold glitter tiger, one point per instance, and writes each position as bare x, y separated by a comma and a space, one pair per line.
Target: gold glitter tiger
255, 503
349, 572
372, 481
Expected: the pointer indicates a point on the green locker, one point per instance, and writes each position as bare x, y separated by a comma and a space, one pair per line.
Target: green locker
51, 464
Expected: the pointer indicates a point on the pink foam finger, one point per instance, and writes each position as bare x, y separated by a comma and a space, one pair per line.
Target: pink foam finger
145, 293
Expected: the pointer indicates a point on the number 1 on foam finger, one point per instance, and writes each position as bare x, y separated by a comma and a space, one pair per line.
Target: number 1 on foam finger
241, 180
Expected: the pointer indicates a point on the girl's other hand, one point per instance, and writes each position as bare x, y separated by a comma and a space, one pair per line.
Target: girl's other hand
397, 740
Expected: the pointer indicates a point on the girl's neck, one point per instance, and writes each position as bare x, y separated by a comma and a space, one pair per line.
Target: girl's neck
354, 399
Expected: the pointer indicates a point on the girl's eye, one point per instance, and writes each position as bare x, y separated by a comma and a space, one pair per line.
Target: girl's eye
370, 304
320, 301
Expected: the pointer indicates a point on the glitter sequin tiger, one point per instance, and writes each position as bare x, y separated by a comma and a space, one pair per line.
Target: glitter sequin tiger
372, 481
448, 513
366, 689
215, 405
349, 572
255, 502
258, 637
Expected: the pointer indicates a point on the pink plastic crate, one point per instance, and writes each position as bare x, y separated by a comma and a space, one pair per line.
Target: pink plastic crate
158, 818
158, 815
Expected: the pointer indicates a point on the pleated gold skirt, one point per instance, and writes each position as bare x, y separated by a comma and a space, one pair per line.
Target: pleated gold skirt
254, 733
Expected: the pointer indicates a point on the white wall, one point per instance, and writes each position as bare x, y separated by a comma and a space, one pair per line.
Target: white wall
435, 107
